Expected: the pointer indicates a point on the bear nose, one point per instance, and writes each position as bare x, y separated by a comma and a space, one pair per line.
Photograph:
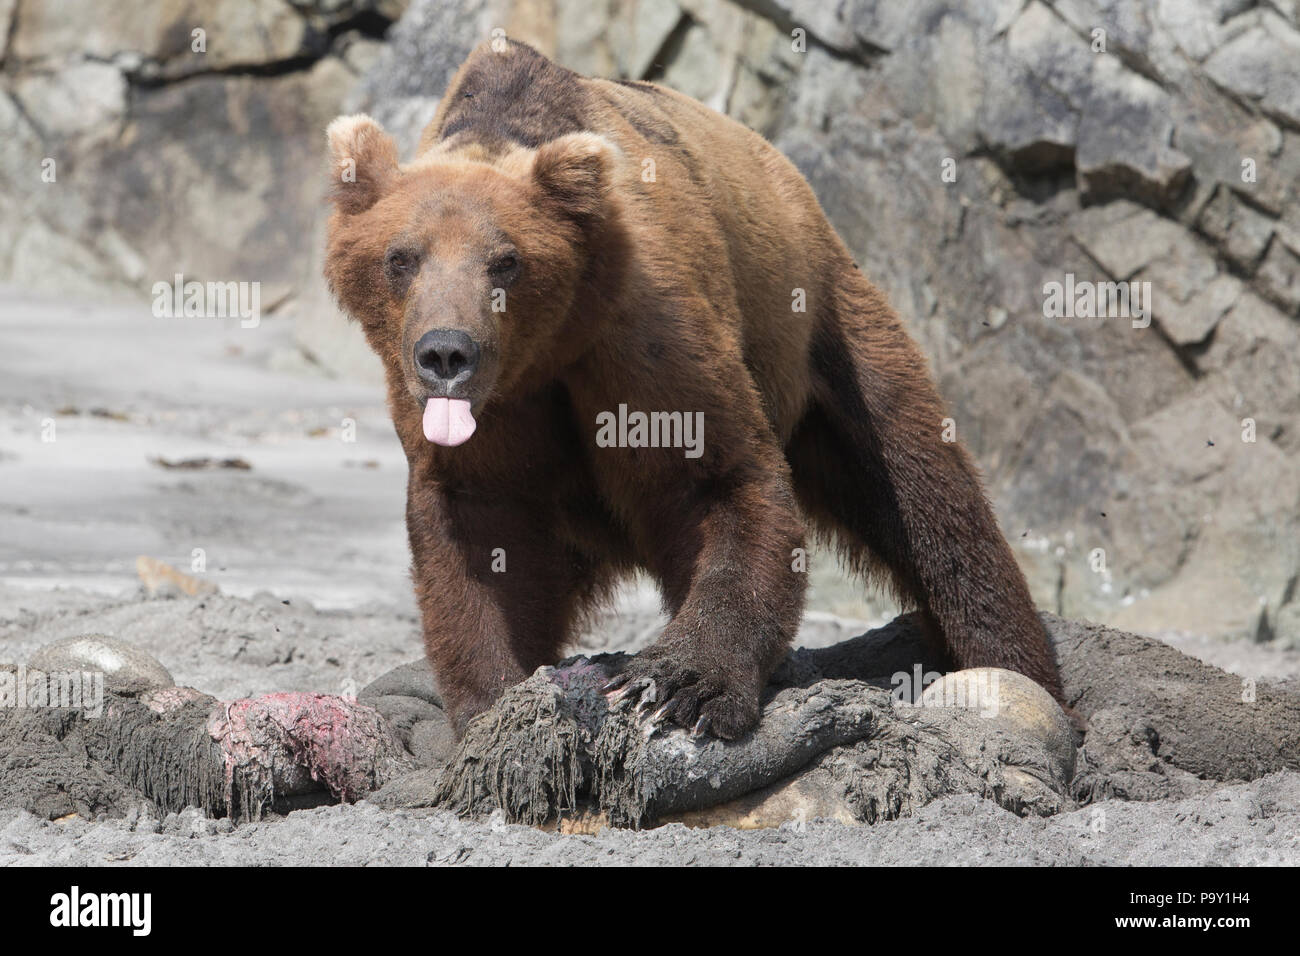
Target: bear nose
444, 355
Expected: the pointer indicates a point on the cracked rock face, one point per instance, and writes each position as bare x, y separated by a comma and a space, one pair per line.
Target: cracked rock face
1147, 472
177, 135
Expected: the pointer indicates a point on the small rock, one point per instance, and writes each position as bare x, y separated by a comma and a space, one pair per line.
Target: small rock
1013, 702
127, 669
1124, 134
202, 464
1190, 323
1262, 65
1242, 232
1279, 277
1124, 237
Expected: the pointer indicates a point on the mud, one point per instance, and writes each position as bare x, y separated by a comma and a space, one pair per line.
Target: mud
179, 748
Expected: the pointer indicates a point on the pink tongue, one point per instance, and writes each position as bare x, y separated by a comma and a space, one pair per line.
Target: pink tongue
448, 421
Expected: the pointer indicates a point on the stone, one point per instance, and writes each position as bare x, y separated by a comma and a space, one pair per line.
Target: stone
85, 99
700, 69
1016, 706
1124, 237
1262, 64
639, 37
1279, 276
1124, 133
7, 8
1251, 366
1183, 270
1242, 231
1032, 126
1192, 23
238, 33
127, 669
1192, 322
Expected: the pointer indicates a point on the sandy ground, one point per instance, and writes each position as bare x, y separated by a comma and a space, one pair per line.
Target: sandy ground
1251, 824
308, 549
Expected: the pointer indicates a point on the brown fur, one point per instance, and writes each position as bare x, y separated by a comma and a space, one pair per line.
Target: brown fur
671, 295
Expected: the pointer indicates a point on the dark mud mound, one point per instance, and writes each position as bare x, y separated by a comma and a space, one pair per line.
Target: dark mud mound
175, 748
840, 738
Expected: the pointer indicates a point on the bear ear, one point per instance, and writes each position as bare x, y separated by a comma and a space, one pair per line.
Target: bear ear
364, 162
575, 172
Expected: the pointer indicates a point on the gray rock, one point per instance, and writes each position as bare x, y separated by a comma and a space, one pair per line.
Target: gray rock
1124, 136
435, 35
1032, 126
1190, 322
1240, 230
638, 38
110, 99
7, 8
127, 669
84, 99
1013, 708
1124, 237
1279, 276
1262, 64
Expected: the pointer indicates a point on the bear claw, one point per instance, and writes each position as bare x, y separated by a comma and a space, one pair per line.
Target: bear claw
696, 698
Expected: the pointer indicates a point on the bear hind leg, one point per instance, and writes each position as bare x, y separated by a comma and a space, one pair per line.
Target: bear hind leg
870, 463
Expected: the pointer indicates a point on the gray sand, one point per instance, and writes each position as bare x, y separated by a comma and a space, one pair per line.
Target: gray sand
1249, 824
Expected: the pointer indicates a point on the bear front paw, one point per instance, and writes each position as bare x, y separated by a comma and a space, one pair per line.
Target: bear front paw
705, 699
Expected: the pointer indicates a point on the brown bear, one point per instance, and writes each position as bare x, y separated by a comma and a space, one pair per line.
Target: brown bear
570, 272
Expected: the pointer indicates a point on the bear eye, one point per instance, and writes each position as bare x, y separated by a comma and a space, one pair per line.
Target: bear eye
504, 268
401, 263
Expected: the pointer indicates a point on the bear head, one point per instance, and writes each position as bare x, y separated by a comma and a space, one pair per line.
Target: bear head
463, 266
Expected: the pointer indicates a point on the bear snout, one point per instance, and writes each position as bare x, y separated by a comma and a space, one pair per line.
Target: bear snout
446, 359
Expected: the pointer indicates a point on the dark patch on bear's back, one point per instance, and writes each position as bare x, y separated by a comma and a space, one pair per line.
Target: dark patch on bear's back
643, 85
518, 96
654, 128
646, 107
645, 115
